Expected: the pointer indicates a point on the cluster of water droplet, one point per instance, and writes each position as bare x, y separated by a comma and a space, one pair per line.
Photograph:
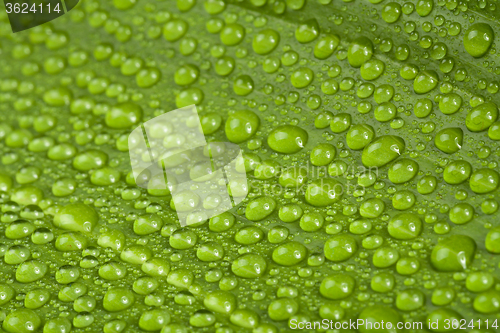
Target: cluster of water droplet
369, 131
